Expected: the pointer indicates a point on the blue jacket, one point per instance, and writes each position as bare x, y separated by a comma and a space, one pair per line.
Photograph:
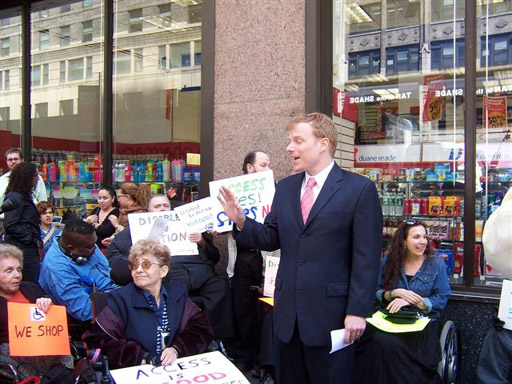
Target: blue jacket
47, 244
69, 284
430, 282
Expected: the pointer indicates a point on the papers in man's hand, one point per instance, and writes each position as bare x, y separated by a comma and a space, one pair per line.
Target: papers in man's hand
338, 340
505, 311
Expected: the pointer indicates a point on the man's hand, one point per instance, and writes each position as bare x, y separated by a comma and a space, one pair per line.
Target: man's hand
354, 328
233, 210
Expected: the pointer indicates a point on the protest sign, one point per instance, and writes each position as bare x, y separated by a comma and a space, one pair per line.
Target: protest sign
505, 310
174, 235
210, 367
271, 266
254, 192
35, 333
197, 216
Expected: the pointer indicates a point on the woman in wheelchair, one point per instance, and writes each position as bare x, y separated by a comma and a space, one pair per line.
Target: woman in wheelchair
148, 320
12, 289
410, 276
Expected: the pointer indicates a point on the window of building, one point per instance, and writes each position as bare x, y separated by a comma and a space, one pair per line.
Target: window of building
41, 110
46, 74
76, 69
135, 20
35, 77
1, 80
62, 71
364, 17
180, 55
65, 8
122, 62
499, 50
44, 37
164, 11
6, 46
65, 35
194, 14
66, 107
401, 13
162, 57
88, 70
5, 21
363, 63
5, 113
442, 54
138, 59
495, 7
87, 31
447, 9
402, 59
7, 80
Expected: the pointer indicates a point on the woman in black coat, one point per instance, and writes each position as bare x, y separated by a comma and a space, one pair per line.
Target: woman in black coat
22, 223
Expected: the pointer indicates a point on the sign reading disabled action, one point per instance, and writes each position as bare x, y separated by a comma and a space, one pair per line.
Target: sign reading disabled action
35, 333
254, 193
209, 368
197, 216
164, 227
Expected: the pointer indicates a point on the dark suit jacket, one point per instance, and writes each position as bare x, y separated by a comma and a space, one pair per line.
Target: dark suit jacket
328, 266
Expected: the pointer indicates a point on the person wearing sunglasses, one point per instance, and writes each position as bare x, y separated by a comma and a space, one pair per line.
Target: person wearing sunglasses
409, 276
149, 320
73, 268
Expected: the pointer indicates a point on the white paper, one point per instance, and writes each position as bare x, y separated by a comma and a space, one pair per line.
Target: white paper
505, 311
197, 216
338, 340
271, 266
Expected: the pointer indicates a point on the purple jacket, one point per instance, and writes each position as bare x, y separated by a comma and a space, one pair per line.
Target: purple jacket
125, 330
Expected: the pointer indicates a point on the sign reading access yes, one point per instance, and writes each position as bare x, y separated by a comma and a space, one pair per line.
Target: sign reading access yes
254, 193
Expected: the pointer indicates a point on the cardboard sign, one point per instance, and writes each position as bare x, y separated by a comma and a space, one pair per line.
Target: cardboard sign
433, 104
197, 216
208, 368
271, 266
505, 311
35, 333
254, 193
152, 225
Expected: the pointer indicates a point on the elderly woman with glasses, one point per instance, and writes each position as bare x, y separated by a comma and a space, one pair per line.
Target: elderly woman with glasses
410, 276
149, 320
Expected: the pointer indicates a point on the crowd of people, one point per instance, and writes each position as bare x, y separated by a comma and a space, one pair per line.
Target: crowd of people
325, 222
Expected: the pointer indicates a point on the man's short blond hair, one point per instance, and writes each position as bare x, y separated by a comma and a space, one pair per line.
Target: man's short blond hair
323, 127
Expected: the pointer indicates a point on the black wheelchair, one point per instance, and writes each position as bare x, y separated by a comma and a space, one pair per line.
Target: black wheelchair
448, 367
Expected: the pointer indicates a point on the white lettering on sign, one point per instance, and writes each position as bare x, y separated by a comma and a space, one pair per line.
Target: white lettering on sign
449, 92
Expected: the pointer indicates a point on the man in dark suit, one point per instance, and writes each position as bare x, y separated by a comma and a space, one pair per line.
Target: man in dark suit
329, 230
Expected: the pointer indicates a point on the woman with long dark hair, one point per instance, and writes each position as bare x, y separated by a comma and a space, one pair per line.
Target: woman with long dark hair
22, 223
410, 276
108, 206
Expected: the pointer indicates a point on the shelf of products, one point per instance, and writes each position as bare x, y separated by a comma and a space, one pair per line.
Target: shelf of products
73, 179
436, 197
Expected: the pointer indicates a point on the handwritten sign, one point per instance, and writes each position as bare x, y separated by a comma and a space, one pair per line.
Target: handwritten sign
254, 192
197, 216
174, 235
505, 310
271, 266
433, 104
35, 333
210, 367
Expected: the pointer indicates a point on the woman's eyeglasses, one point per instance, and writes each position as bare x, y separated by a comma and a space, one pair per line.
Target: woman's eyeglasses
146, 264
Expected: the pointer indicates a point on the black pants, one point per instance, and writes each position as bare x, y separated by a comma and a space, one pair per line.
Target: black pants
248, 269
302, 364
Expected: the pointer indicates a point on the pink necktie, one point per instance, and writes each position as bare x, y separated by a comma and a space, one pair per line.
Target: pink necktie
307, 199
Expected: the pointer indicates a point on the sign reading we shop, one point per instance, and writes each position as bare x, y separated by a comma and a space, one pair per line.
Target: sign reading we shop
35, 333
210, 367
254, 193
164, 227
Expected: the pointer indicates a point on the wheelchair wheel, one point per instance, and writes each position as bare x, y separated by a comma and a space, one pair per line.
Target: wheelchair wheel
448, 367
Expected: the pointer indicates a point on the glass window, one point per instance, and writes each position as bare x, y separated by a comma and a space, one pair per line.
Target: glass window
442, 54
36, 75
7, 76
1, 80
46, 74
87, 31
5, 21
364, 17
4, 117
44, 36
62, 71
65, 35
6, 46
402, 59
66, 107
88, 73
403, 13
157, 87
497, 49
447, 9
363, 63
76, 69
41, 110
136, 20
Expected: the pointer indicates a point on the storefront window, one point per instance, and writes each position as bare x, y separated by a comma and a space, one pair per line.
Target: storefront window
66, 133
399, 100
157, 86
10, 82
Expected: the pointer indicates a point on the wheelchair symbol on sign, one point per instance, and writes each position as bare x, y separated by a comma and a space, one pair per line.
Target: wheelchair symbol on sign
36, 314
